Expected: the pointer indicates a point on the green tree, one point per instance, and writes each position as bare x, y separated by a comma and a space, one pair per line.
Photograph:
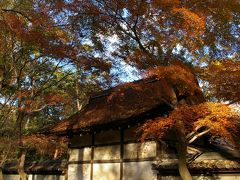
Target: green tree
32, 51
37, 60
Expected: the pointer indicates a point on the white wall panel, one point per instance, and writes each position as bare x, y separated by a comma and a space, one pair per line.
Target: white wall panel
83, 154
140, 150
106, 171
107, 152
45, 177
11, 177
79, 171
138, 171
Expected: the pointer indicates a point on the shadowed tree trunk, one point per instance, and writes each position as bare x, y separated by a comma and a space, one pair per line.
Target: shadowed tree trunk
21, 160
182, 142
21, 172
2, 163
1, 173
182, 151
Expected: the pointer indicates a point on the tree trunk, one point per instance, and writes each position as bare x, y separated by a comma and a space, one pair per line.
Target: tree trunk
21, 172
182, 151
1, 167
1, 174
3, 160
79, 105
21, 161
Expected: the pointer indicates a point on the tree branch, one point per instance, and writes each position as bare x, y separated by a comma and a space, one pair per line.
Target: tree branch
39, 109
17, 12
234, 101
198, 135
193, 132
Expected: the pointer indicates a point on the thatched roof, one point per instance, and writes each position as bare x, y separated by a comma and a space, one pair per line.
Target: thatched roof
122, 103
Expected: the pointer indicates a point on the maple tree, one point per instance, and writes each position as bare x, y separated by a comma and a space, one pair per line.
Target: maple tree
221, 80
22, 103
191, 120
32, 52
38, 38
153, 32
52, 146
190, 117
34, 107
35, 89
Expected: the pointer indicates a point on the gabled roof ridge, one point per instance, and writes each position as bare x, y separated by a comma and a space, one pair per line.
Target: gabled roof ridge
106, 92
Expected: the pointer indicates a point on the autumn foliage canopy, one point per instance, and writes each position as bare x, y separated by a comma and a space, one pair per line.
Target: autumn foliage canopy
52, 53
215, 119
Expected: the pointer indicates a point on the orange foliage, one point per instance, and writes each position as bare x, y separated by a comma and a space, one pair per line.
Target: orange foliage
219, 119
45, 144
174, 81
224, 80
38, 30
166, 3
178, 76
192, 24
29, 105
21, 94
53, 98
156, 129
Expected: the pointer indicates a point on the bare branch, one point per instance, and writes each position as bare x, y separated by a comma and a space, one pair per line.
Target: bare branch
234, 101
39, 109
193, 132
198, 135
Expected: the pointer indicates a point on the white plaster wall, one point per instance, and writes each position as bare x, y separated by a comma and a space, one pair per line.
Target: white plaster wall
34, 177
45, 177
138, 171
201, 177
83, 154
11, 177
140, 150
79, 171
106, 171
107, 152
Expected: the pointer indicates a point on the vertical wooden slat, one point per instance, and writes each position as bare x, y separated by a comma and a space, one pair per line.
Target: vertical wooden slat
92, 155
159, 150
121, 152
159, 156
